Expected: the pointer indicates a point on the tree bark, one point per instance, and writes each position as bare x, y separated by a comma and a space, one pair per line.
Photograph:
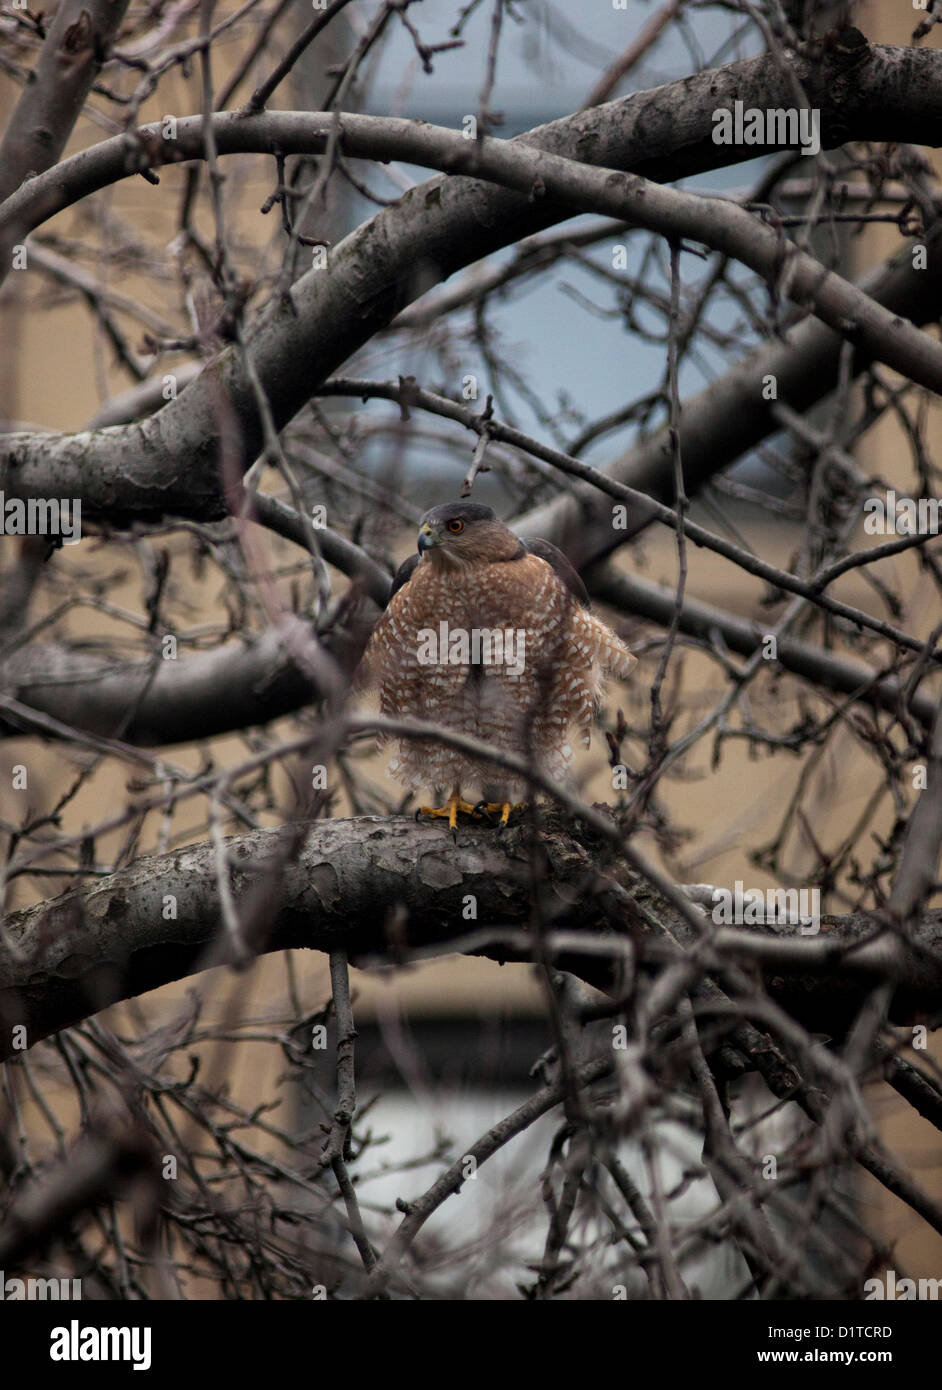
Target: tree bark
169, 463
376, 886
71, 57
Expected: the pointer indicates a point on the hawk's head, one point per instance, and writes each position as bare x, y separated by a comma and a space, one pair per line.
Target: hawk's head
463, 533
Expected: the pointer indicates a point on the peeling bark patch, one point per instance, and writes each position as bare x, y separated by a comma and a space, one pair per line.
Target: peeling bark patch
438, 871
78, 36
118, 907
390, 865
73, 966
326, 885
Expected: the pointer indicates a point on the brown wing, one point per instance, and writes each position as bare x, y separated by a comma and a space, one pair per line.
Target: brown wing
366, 674
545, 550
402, 576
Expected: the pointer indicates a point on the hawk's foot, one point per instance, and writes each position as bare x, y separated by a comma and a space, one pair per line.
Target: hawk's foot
502, 809
452, 807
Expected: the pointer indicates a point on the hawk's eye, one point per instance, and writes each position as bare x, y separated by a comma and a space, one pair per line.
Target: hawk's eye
456, 527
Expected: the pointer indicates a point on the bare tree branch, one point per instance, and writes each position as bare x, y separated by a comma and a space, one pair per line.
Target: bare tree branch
75, 48
453, 221
113, 939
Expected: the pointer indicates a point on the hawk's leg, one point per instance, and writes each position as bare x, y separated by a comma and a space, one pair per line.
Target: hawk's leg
451, 808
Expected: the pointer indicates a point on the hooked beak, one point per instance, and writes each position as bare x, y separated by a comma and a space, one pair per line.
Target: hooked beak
427, 538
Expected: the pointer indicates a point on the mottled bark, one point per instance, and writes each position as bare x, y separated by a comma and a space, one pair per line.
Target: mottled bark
71, 57
168, 463
373, 885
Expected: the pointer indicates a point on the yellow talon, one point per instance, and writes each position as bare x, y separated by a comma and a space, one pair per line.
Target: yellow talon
451, 808
456, 806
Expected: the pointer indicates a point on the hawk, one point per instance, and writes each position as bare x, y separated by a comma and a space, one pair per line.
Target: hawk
491, 636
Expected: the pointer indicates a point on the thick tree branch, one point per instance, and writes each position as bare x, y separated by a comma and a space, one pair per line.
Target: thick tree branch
236, 686
242, 685
720, 224
71, 57
711, 426
168, 463
729, 416
112, 939
638, 502
843, 674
